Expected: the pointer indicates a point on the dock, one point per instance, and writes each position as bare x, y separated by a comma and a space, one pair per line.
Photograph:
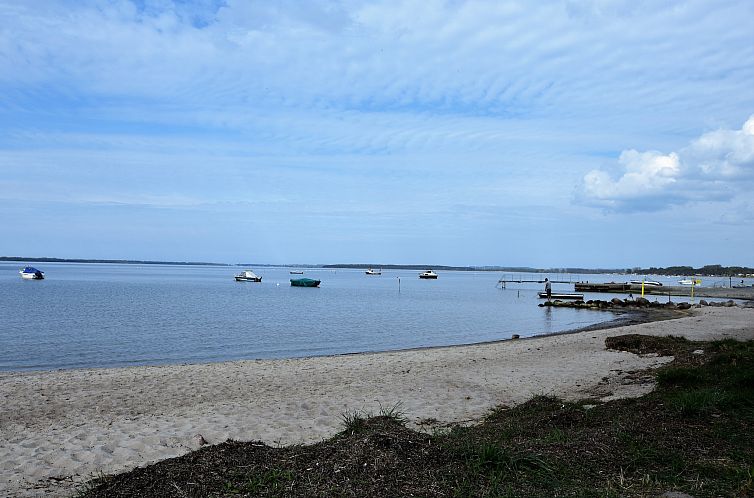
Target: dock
503, 281
606, 287
561, 295
744, 293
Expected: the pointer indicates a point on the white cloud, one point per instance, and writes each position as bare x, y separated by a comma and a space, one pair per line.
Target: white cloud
715, 166
725, 154
646, 173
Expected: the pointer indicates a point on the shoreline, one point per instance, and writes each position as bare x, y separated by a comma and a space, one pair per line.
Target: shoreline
61, 427
622, 318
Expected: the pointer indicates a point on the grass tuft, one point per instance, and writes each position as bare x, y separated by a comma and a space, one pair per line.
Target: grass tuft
354, 422
394, 413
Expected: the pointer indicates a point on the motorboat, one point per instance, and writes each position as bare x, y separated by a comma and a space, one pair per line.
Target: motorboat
304, 282
429, 274
31, 273
373, 272
653, 283
296, 272
248, 276
690, 281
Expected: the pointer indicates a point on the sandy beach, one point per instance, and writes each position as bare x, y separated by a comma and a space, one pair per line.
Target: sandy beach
60, 428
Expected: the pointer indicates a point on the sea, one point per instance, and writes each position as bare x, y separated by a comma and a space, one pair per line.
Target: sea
114, 315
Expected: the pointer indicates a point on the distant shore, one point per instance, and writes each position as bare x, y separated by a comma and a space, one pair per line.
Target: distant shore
61, 427
107, 261
715, 271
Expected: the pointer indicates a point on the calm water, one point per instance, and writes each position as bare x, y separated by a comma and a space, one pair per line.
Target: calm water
101, 315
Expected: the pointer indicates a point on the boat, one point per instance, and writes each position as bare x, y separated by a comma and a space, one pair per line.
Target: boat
652, 283
690, 281
31, 273
373, 272
304, 282
296, 272
429, 274
248, 276
561, 295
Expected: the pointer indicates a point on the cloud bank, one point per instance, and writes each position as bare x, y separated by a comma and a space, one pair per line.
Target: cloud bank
719, 165
438, 121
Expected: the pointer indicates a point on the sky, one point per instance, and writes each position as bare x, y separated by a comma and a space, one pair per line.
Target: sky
592, 133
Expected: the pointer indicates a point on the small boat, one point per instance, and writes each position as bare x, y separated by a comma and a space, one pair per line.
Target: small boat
248, 276
373, 272
304, 282
561, 295
31, 273
652, 283
429, 274
296, 272
690, 281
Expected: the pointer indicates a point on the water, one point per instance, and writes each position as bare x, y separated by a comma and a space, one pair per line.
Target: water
105, 315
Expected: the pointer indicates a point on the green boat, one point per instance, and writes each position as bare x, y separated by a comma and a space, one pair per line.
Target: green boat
304, 282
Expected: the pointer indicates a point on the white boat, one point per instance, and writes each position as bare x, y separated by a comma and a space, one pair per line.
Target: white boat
31, 273
373, 272
690, 281
248, 276
429, 274
653, 283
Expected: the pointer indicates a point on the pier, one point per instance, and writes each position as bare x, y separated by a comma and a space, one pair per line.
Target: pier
746, 293
503, 281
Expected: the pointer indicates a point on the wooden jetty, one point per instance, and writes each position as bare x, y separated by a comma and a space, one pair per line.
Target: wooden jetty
561, 295
745, 293
504, 281
604, 287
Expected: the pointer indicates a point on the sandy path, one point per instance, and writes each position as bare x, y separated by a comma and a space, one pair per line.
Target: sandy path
79, 422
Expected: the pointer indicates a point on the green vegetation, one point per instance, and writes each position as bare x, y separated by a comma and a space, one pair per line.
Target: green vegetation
707, 270
692, 434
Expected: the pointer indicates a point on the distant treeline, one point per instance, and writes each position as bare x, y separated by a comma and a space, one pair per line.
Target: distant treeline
521, 269
117, 261
708, 270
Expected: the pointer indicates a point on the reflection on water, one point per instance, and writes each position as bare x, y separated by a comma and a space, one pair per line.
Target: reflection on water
548, 320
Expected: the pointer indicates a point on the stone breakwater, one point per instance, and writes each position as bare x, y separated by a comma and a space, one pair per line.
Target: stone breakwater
638, 303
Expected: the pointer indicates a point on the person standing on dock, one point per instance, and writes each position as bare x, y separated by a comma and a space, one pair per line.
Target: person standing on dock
548, 288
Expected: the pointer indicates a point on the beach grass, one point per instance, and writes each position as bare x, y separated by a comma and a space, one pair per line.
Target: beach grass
692, 434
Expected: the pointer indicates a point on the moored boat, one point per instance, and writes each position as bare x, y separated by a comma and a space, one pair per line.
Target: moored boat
304, 282
31, 273
652, 283
429, 274
296, 272
690, 281
373, 272
248, 276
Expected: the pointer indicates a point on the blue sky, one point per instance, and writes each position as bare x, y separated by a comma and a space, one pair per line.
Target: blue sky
596, 133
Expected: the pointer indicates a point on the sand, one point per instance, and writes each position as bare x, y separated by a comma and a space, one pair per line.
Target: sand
60, 428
